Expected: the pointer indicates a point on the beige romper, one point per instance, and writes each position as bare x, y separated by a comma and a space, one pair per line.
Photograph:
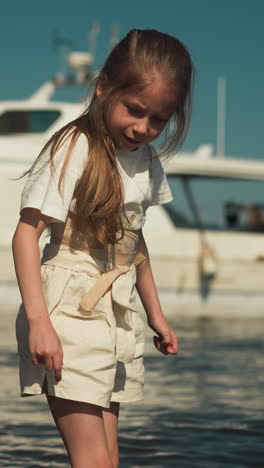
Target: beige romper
90, 294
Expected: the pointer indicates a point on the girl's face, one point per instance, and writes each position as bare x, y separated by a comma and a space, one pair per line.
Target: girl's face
137, 118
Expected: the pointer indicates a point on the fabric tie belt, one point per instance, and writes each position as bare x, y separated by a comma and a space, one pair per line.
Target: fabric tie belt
123, 262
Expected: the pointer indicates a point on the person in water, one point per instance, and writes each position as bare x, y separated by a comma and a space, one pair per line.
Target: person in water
80, 338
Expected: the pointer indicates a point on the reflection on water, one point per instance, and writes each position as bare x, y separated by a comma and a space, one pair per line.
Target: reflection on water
203, 408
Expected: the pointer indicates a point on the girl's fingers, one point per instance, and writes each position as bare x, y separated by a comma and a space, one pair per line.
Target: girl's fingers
173, 345
54, 363
57, 364
159, 345
172, 349
34, 359
156, 342
41, 359
37, 359
57, 373
49, 363
165, 345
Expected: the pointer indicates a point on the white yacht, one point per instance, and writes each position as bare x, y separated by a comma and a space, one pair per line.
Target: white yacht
25, 126
209, 239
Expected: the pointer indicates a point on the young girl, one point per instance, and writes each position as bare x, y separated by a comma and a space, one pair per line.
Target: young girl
79, 336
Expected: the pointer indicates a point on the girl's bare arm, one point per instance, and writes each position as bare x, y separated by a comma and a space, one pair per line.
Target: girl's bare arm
27, 262
166, 342
44, 343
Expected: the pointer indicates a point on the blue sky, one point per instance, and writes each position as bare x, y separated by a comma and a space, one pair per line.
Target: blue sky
224, 37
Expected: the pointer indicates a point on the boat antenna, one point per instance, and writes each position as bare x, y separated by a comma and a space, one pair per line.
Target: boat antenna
114, 36
221, 104
92, 38
62, 45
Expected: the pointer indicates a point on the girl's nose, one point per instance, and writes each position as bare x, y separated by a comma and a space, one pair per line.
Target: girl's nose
141, 126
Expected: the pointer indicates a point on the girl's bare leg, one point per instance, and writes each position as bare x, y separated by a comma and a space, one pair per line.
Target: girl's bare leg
82, 429
110, 416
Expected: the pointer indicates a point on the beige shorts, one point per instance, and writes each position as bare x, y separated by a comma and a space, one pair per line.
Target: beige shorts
102, 348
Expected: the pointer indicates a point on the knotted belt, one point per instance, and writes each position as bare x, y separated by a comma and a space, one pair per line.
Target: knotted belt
117, 258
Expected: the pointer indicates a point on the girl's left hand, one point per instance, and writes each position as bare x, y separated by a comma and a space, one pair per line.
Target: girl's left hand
166, 342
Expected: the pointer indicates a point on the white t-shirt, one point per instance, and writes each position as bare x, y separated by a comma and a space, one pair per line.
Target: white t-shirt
144, 181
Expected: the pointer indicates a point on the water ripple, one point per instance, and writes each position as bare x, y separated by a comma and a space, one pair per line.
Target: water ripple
203, 408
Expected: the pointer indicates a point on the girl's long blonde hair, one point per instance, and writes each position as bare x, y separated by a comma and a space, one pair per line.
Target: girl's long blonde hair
132, 64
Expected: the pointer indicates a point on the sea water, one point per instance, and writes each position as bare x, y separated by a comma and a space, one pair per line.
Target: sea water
202, 408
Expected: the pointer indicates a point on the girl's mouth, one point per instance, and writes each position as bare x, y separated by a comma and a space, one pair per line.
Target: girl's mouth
131, 141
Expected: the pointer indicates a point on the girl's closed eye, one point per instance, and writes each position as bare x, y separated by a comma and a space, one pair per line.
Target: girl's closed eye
134, 111
138, 112
160, 119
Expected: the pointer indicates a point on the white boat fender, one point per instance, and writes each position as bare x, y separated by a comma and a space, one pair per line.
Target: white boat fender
207, 261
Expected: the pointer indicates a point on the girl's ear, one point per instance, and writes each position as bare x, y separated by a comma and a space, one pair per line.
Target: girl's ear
101, 85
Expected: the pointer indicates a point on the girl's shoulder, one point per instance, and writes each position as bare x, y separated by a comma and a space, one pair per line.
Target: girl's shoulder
78, 148
72, 139
51, 184
70, 145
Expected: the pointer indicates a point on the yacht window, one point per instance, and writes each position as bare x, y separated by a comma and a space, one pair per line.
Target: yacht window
216, 203
29, 121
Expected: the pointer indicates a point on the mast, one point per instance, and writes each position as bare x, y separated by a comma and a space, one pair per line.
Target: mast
221, 105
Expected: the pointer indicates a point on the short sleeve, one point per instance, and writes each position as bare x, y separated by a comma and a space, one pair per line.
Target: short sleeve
41, 189
159, 188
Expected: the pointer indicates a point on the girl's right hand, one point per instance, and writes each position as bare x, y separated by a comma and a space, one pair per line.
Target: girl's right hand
45, 347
